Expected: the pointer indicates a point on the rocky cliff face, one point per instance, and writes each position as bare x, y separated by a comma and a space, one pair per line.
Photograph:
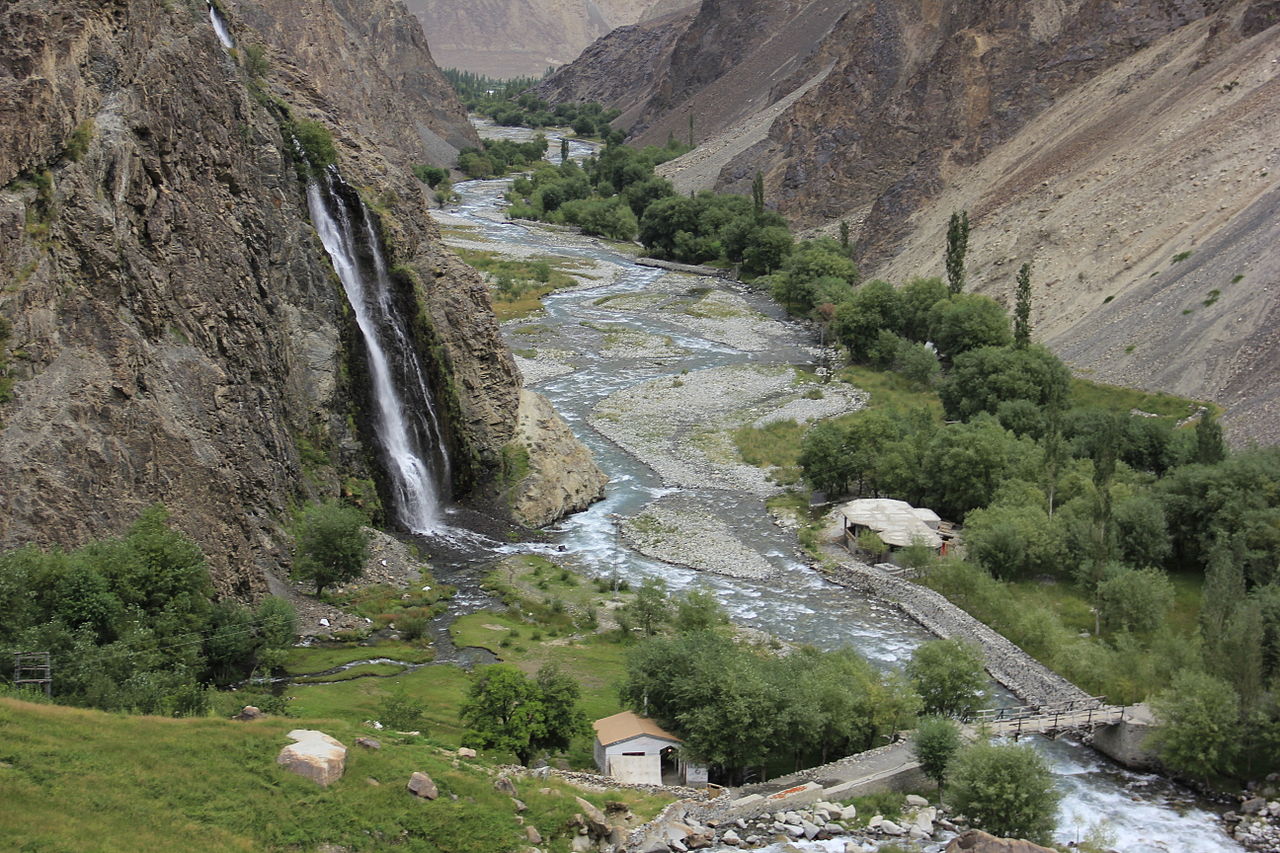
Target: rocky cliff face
176, 332
519, 38
1100, 139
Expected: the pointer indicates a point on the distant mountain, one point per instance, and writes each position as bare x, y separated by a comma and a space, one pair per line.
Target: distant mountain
514, 38
1100, 140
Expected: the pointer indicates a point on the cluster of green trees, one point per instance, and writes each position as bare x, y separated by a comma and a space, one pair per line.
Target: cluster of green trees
500, 156
472, 87
1049, 486
131, 624
740, 707
527, 110
508, 711
607, 195
1005, 789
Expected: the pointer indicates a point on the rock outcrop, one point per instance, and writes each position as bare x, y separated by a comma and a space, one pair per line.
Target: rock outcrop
315, 755
977, 841
176, 331
560, 476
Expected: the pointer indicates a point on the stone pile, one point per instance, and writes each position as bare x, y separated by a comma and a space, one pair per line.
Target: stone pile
755, 822
1256, 825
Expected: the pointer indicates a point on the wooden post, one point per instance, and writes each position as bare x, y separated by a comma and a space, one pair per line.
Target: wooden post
33, 668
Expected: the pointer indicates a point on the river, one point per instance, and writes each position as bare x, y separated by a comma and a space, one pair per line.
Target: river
582, 328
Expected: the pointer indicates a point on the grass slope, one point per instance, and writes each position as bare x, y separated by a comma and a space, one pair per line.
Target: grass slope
75, 780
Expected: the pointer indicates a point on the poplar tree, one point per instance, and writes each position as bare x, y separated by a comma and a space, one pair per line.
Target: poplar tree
757, 193
957, 246
1022, 310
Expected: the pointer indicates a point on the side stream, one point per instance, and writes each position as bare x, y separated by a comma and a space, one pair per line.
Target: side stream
1143, 813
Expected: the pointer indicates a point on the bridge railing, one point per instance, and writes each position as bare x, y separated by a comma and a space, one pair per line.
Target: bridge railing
1083, 713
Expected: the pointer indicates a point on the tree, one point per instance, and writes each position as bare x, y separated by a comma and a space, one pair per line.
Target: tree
1141, 531
968, 321
1210, 448
564, 149
1022, 309
983, 378
1198, 729
1011, 539
1006, 790
968, 462
957, 246
650, 609
331, 544
507, 711
935, 744
918, 299
949, 677
870, 309
401, 712
1135, 599
757, 193
767, 251
844, 234
823, 459
698, 610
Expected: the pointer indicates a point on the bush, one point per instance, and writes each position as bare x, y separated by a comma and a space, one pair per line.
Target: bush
1006, 790
432, 176
400, 712
315, 143
331, 544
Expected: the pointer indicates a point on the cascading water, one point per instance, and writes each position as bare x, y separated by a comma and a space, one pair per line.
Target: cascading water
408, 432
220, 27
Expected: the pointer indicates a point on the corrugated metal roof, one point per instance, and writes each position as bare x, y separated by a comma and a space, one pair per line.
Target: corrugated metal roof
627, 725
897, 522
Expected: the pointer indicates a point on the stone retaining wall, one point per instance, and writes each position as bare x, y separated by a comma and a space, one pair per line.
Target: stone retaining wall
1027, 678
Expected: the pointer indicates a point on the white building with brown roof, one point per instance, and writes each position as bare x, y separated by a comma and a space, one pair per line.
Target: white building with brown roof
635, 749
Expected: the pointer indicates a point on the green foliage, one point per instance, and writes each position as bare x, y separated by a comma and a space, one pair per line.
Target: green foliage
949, 677
872, 308
649, 610
935, 744
500, 156
957, 247
698, 610
981, 379
1022, 309
129, 621
1012, 540
315, 143
432, 176
508, 712
256, 62
737, 708
1006, 790
77, 144
1135, 600
331, 544
968, 321
1198, 725
400, 712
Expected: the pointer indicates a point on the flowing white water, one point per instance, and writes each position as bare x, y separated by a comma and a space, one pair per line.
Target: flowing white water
416, 498
220, 27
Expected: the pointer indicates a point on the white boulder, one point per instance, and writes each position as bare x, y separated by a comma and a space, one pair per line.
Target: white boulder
314, 755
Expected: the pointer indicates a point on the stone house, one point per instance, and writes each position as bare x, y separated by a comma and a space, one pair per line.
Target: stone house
635, 749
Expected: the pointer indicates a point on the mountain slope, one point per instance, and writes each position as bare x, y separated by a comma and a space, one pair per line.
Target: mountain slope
176, 332
1100, 139
519, 38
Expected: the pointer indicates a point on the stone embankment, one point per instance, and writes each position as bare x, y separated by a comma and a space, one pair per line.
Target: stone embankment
1027, 678
803, 813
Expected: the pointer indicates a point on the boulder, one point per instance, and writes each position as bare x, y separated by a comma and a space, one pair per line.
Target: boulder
531, 833
810, 829
849, 813
888, 827
314, 755
249, 712
519, 804
915, 801
505, 785
1253, 805
422, 786
597, 824
977, 841
368, 743
466, 752
731, 838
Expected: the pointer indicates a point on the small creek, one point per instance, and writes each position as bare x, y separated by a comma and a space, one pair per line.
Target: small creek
1144, 813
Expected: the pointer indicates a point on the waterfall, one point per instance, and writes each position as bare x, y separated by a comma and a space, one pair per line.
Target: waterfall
220, 27
410, 437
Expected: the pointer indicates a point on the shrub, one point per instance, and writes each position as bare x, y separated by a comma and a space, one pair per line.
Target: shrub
315, 143
400, 712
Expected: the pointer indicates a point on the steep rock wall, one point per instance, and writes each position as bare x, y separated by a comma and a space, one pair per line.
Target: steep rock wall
177, 333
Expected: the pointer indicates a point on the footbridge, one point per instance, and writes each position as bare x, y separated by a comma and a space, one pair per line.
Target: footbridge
1074, 715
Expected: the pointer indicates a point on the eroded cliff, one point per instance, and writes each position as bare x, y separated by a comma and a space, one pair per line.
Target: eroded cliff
176, 332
